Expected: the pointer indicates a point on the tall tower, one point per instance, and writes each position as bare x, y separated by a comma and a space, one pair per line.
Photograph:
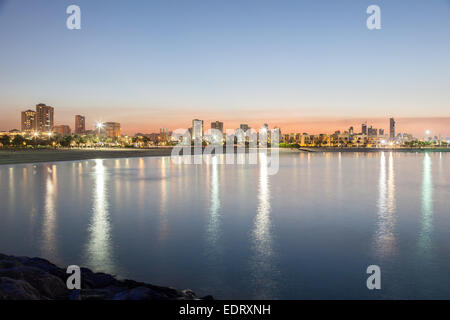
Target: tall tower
197, 129
28, 121
80, 124
244, 127
44, 118
113, 129
392, 129
217, 125
364, 128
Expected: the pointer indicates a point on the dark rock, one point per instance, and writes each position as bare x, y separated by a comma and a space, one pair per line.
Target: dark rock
95, 294
75, 295
49, 286
12, 289
140, 293
46, 266
23, 278
96, 280
188, 294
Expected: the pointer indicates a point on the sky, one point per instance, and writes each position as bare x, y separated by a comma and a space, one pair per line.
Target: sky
305, 66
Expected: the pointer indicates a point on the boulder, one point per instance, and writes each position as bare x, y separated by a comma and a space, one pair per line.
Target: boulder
12, 289
23, 278
140, 293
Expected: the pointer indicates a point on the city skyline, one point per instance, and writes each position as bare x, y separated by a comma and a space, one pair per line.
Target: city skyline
310, 126
303, 66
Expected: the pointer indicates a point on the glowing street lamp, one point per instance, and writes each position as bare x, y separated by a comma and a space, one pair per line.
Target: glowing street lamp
99, 126
35, 135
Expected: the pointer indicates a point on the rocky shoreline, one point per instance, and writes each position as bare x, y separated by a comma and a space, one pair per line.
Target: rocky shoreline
24, 278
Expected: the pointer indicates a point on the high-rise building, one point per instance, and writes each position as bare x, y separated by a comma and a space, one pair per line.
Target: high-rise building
372, 131
392, 129
80, 124
164, 135
244, 127
197, 129
364, 128
112, 129
217, 125
28, 121
62, 130
351, 130
44, 118
381, 132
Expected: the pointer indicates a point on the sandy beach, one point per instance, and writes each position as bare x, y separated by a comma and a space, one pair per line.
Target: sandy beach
50, 155
18, 156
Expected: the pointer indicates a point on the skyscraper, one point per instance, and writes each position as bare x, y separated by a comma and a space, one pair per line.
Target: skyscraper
372, 131
217, 125
44, 118
80, 124
112, 129
392, 129
62, 130
244, 127
164, 135
28, 121
364, 128
197, 130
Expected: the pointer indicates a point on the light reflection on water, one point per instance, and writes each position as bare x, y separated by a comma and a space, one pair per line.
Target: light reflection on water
213, 226
235, 231
262, 260
427, 208
385, 236
99, 250
49, 231
165, 162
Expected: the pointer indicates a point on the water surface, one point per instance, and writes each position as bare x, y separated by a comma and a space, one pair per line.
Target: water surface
234, 231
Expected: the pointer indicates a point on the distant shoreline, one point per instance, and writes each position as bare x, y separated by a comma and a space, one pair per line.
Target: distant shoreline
23, 156
337, 149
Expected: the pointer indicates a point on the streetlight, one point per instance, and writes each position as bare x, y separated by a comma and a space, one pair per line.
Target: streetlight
99, 126
35, 134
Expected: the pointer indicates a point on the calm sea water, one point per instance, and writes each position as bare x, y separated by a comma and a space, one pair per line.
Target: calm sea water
234, 231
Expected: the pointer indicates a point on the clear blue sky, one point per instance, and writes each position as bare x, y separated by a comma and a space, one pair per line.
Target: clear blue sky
151, 64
